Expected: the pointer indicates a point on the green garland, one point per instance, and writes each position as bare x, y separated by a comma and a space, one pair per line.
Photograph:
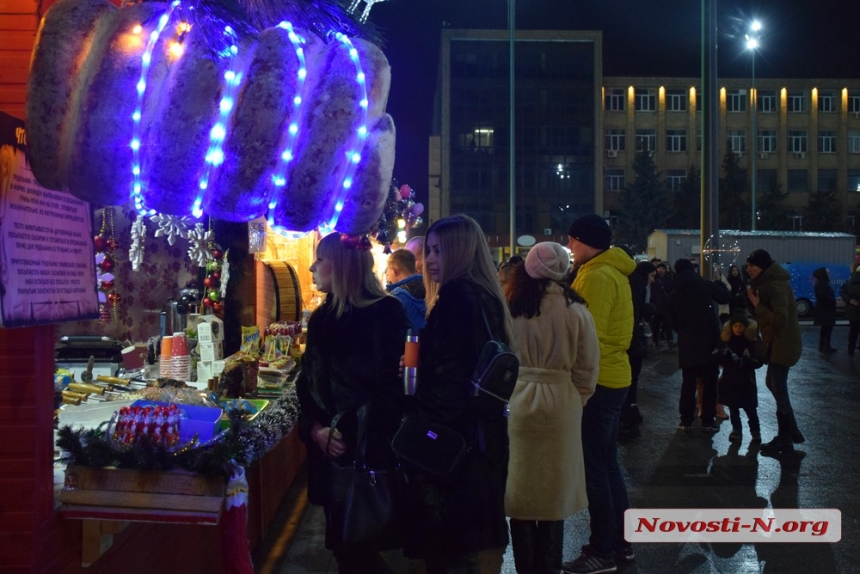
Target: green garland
243, 442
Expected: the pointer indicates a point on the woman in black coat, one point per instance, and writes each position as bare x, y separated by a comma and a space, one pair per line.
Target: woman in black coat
824, 313
354, 343
456, 518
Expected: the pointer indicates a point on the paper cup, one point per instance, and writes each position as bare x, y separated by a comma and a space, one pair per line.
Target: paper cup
167, 346
132, 360
180, 344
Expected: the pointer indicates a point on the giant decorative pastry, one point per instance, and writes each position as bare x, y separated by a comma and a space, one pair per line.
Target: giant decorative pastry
135, 103
70, 32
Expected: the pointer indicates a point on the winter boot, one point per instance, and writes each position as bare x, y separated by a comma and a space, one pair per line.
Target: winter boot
523, 538
549, 547
796, 436
781, 443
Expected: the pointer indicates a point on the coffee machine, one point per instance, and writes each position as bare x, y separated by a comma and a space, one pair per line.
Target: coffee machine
185, 302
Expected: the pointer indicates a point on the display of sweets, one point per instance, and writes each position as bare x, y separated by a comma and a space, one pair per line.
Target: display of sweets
278, 339
159, 422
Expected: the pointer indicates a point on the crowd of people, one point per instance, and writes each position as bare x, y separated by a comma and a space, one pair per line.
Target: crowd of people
580, 319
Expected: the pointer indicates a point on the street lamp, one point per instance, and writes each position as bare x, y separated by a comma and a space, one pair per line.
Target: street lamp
752, 45
512, 27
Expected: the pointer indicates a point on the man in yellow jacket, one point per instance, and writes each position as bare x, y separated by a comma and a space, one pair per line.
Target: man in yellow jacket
601, 279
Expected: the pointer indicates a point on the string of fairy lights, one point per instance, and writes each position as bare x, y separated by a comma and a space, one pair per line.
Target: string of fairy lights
279, 179
233, 78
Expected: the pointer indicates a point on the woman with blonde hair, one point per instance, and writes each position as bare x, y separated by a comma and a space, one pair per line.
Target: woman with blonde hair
354, 343
559, 357
458, 521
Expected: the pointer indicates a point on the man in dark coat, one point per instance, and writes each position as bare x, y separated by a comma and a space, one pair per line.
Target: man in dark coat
695, 318
773, 304
824, 314
639, 281
661, 322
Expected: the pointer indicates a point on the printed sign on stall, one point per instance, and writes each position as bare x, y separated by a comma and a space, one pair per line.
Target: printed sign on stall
47, 263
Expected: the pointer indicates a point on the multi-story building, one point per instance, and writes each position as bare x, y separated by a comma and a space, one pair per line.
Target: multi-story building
577, 132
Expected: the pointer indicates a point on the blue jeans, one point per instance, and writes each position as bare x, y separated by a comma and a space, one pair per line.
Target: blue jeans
776, 380
604, 484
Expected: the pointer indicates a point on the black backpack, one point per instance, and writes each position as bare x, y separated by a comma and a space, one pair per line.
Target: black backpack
495, 377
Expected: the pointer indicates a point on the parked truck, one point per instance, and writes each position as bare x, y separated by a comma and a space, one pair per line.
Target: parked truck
799, 252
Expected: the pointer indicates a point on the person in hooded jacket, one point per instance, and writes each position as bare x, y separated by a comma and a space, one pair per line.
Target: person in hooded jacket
559, 353
773, 305
850, 293
695, 318
824, 313
740, 357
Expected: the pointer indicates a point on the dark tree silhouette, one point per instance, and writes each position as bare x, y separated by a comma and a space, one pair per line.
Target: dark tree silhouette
734, 209
822, 212
687, 202
772, 213
645, 205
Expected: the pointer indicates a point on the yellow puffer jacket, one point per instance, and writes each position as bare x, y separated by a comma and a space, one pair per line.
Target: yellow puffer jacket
602, 282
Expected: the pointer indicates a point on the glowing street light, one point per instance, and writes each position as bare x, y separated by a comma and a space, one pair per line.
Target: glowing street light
752, 39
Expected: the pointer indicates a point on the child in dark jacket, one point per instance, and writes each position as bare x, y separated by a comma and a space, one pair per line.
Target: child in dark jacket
741, 356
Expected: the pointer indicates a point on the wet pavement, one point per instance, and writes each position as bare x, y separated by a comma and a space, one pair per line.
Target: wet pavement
665, 468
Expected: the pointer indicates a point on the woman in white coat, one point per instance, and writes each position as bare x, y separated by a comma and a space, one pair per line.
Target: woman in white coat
559, 356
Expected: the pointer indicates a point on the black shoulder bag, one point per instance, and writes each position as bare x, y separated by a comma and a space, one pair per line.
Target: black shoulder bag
365, 503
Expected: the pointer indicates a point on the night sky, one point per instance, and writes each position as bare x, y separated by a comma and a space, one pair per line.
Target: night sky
801, 39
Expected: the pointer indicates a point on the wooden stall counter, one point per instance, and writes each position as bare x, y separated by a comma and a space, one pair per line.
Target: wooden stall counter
129, 519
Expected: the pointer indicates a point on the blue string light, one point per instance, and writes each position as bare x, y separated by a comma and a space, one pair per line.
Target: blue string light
279, 177
218, 132
353, 156
146, 59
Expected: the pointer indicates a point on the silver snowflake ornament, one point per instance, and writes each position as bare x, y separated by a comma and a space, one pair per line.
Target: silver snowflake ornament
171, 226
199, 239
138, 243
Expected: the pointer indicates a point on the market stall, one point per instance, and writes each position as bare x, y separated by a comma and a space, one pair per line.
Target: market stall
179, 163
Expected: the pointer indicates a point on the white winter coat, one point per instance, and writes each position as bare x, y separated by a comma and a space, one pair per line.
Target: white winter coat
559, 358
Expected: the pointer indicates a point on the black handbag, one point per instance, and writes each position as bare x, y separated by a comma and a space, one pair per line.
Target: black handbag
365, 503
430, 448
494, 377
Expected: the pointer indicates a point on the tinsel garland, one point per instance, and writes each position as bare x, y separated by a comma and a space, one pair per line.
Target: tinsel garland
243, 442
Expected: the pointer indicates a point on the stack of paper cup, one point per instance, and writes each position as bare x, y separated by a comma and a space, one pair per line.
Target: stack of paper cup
165, 361
181, 360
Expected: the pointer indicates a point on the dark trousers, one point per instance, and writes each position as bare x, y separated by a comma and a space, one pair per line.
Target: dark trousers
604, 483
463, 564
752, 415
853, 332
660, 324
824, 337
357, 560
538, 545
776, 380
690, 376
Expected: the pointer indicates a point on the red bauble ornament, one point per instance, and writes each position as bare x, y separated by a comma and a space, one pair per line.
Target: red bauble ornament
216, 276
208, 282
114, 297
107, 265
106, 285
112, 244
100, 242
207, 302
217, 253
218, 306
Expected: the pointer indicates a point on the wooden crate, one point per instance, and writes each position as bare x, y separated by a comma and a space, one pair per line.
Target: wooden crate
120, 494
